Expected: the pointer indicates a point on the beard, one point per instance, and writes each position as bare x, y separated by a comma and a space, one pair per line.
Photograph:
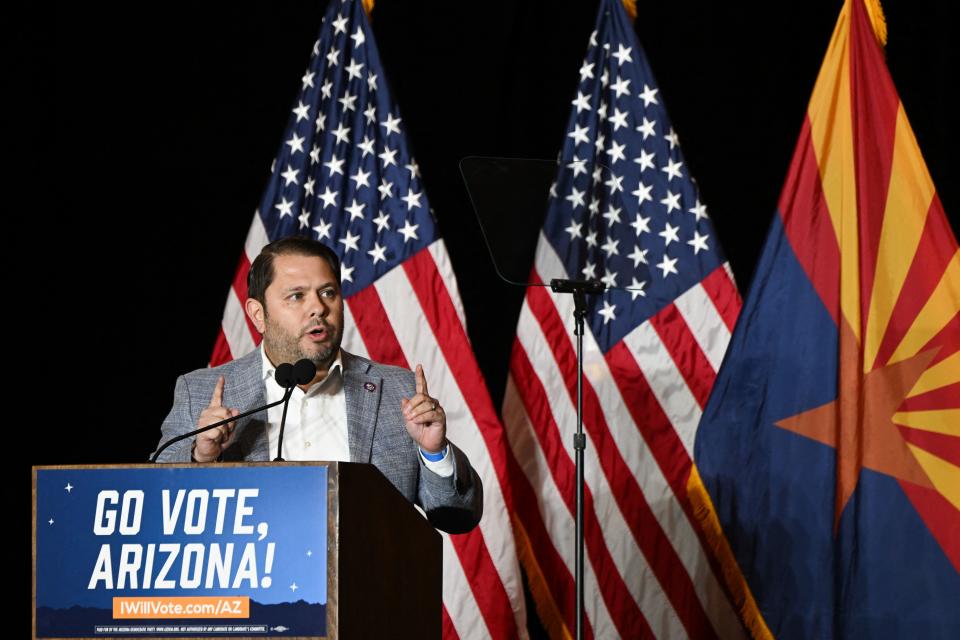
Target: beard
283, 346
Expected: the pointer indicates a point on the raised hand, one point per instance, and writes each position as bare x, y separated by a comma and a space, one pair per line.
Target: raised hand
210, 444
426, 421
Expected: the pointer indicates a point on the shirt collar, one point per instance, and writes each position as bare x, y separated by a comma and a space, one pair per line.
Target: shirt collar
268, 368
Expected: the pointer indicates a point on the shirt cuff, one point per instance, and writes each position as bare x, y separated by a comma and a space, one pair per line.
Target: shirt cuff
439, 463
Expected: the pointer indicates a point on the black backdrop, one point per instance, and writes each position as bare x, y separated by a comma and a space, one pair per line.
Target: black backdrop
165, 118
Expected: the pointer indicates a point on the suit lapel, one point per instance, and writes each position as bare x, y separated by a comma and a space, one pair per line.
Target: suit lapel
362, 392
251, 433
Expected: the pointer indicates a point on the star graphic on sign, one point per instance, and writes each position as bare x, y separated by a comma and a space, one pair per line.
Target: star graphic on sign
698, 242
329, 197
672, 201
647, 128
621, 86
354, 69
391, 124
582, 102
378, 253
639, 255
409, 231
335, 165
50, 521
349, 242
302, 111
669, 234
859, 423
296, 143
358, 38
645, 160
586, 71
649, 95
290, 176
361, 178
608, 311
643, 193
641, 224
69, 487
285, 207
578, 166
636, 288
355, 210
294, 587
574, 230
579, 134
382, 221
672, 169
323, 230
412, 199
668, 265
309, 553
700, 211
623, 54
366, 146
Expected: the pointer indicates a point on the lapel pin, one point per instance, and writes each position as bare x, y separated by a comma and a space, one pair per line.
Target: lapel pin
369, 386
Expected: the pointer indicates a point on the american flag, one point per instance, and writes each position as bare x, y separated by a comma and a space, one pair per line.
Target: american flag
624, 210
344, 175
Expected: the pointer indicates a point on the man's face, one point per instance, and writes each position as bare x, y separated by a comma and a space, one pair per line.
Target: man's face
304, 311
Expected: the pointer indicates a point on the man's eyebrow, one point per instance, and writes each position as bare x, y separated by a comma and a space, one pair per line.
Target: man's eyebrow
300, 287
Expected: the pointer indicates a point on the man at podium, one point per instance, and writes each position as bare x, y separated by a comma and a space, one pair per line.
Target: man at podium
354, 409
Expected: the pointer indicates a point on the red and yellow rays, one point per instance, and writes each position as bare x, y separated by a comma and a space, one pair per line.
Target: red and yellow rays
863, 216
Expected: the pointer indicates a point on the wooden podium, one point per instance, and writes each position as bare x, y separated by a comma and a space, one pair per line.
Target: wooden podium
383, 558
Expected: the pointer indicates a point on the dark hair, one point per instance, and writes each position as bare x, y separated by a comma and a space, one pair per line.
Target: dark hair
261, 271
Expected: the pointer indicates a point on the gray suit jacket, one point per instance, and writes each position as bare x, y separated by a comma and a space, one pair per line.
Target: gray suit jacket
375, 432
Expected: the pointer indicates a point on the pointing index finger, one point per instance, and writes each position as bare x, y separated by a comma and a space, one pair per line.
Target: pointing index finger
217, 399
421, 380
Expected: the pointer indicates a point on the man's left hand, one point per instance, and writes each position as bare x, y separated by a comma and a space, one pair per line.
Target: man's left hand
426, 421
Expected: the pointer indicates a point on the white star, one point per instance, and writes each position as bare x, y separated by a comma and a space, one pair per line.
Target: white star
579, 134
339, 25
582, 102
576, 197
361, 177
315, 154
594, 208
329, 197
349, 242
609, 278
307, 79
355, 210
325, 89
638, 256
409, 231
348, 101
623, 54
621, 86
669, 234
372, 82
641, 224
333, 57
321, 122
50, 521
290, 176
358, 38
378, 253
412, 199
371, 113
302, 111
604, 78
69, 487
619, 119
285, 207
698, 242
387, 157
588, 271
636, 288
553, 189
593, 39
610, 248
615, 183
304, 218
382, 221
385, 189
612, 215
672, 201
667, 265
602, 111
309, 553
413, 168
296, 143
346, 273
643, 193
323, 230
672, 169
578, 166
700, 211
574, 230
608, 312
645, 160
672, 138
354, 69
308, 186
294, 587
591, 239
586, 71
646, 128
649, 95
597, 173
599, 149
366, 146
616, 151
335, 165
316, 44
392, 124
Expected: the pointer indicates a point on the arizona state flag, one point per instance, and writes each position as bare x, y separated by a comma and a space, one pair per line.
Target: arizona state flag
830, 447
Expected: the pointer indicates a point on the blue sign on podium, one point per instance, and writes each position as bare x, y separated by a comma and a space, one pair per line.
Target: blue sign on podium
222, 551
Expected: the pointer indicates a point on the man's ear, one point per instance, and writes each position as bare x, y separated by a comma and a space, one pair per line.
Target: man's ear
257, 314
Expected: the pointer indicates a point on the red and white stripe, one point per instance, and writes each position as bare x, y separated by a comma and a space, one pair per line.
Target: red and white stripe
413, 314
647, 571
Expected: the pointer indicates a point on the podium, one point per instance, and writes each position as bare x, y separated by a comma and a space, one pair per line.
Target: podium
307, 550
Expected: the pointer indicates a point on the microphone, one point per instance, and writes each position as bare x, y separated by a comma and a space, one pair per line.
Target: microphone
300, 373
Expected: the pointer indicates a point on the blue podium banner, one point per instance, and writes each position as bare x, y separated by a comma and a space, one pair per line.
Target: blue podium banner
161, 551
